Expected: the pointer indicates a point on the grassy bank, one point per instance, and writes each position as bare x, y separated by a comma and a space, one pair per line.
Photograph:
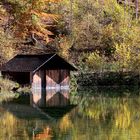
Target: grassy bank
6, 89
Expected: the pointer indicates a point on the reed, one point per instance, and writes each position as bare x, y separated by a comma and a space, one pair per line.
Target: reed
6, 89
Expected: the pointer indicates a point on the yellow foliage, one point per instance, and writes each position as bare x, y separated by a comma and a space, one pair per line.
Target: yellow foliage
95, 61
64, 45
6, 46
123, 55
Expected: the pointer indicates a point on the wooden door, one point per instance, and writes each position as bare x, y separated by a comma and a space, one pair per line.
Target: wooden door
57, 78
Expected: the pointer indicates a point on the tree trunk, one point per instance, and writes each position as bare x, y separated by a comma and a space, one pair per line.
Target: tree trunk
137, 8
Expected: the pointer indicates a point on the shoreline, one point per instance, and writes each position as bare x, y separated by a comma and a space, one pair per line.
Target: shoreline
115, 79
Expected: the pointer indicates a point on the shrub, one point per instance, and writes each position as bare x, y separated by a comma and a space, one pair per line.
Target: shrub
7, 85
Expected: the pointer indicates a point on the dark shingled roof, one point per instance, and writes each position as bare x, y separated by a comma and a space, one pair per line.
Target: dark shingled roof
31, 63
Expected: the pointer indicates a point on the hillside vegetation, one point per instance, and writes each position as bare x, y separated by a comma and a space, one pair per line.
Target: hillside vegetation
97, 35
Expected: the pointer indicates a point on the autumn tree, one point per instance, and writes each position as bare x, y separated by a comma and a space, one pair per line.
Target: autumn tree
29, 18
105, 31
7, 42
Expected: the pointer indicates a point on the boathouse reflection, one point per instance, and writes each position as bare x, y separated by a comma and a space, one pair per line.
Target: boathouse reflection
50, 98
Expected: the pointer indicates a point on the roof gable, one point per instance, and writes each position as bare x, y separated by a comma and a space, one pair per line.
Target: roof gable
58, 62
32, 63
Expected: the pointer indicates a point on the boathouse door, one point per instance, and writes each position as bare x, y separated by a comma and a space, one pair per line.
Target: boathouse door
51, 79
56, 79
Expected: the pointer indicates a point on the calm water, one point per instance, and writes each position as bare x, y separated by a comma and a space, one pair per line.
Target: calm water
99, 115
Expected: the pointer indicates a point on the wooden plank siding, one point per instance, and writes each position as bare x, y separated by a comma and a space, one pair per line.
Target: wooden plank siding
50, 88
53, 79
57, 78
36, 84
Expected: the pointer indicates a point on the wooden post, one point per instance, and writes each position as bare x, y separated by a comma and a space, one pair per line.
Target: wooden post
136, 8
43, 88
31, 78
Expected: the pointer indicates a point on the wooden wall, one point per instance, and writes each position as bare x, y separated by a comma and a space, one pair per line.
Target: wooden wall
56, 78
47, 85
36, 83
53, 79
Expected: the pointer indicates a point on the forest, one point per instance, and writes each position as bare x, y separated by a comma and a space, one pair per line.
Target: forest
99, 35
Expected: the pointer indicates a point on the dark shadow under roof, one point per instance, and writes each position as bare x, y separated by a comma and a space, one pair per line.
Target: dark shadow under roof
32, 63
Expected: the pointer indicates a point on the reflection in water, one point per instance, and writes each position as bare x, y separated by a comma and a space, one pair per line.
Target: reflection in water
54, 98
95, 118
50, 98
46, 133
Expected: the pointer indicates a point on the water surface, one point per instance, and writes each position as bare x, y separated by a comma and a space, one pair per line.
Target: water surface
109, 114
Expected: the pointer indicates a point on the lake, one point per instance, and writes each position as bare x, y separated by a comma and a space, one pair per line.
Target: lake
97, 114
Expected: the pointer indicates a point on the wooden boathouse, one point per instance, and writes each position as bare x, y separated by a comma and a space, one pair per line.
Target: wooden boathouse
45, 71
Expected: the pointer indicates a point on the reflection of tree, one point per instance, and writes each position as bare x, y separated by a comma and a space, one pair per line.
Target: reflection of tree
95, 117
107, 117
13, 128
45, 134
122, 117
9, 127
65, 123
63, 127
